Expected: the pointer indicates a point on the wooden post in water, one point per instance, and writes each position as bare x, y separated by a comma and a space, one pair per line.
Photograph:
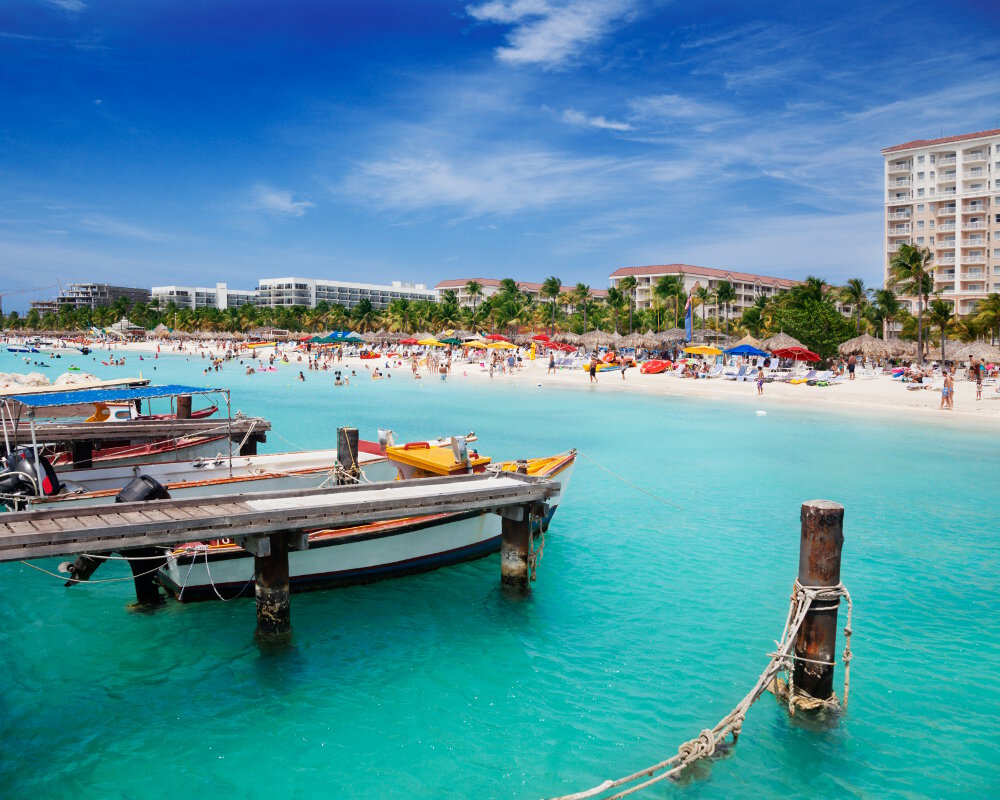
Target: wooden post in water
83, 454
347, 451
274, 617
515, 546
184, 406
822, 539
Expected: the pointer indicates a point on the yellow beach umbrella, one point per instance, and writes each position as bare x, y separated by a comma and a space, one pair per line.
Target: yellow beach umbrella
431, 343
703, 350
502, 346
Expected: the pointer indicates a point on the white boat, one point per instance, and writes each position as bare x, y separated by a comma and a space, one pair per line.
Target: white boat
220, 569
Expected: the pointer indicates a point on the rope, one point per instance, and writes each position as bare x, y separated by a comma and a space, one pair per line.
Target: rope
709, 740
629, 483
102, 580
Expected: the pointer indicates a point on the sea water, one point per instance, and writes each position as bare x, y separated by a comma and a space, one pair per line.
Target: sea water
647, 623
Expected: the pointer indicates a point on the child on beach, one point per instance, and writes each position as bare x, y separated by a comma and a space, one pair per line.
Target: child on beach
760, 380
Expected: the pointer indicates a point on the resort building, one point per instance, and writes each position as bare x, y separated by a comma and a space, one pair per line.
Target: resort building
195, 297
308, 292
944, 194
92, 295
490, 286
44, 307
747, 285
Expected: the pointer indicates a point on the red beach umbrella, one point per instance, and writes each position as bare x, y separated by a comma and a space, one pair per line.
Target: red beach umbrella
796, 353
496, 337
542, 337
407, 341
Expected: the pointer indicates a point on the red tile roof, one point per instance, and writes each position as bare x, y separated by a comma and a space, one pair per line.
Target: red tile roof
946, 140
708, 272
459, 283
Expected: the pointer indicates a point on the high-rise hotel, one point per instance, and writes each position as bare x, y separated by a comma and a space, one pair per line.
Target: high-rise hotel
944, 194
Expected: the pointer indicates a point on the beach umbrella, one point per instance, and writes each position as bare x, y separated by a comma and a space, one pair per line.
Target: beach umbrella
501, 346
411, 340
451, 340
796, 354
496, 337
633, 340
750, 340
672, 335
540, 337
866, 346
431, 342
596, 339
745, 350
780, 341
703, 350
978, 350
567, 338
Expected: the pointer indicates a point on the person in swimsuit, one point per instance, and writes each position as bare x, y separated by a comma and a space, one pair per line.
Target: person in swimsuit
760, 380
851, 364
593, 368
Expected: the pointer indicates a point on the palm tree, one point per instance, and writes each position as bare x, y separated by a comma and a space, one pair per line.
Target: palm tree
627, 287
615, 301
725, 293
988, 312
582, 296
941, 314
856, 294
668, 286
704, 296
888, 307
911, 272
474, 290
550, 289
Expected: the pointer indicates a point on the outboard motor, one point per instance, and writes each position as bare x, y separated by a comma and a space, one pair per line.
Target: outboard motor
21, 479
142, 488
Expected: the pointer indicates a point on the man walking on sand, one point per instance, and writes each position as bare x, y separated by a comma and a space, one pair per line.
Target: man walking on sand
593, 368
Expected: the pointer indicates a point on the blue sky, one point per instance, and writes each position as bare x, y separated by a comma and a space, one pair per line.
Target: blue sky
170, 141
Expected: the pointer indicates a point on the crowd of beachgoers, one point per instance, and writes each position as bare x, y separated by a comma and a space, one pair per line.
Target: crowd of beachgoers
849, 381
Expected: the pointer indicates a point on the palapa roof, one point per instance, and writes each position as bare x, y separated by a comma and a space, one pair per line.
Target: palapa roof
750, 340
671, 335
780, 341
866, 346
981, 351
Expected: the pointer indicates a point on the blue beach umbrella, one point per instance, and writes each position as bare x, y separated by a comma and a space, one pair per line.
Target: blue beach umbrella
745, 350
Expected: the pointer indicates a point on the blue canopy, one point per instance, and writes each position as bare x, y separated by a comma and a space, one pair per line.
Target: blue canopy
343, 336
745, 350
79, 396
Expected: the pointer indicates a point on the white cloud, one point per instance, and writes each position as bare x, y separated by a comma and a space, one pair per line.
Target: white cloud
548, 32
69, 5
676, 107
121, 229
278, 201
600, 122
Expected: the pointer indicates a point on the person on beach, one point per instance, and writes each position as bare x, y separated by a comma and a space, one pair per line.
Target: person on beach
978, 369
552, 363
852, 363
593, 367
760, 380
945, 392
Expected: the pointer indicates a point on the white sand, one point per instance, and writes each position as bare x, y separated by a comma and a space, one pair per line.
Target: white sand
879, 395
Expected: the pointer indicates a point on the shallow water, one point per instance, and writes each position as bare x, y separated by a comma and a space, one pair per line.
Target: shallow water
647, 622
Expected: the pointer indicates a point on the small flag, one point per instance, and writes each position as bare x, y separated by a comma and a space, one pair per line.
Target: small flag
687, 319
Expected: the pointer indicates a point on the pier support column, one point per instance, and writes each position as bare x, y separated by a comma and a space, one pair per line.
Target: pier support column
347, 452
184, 406
83, 455
147, 590
820, 546
249, 447
274, 619
515, 545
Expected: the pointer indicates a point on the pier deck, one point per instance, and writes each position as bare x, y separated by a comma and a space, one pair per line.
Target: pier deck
102, 529
136, 431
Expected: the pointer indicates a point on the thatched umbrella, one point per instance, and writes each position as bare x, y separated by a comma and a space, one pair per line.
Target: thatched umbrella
596, 339
750, 340
780, 341
567, 338
981, 351
671, 335
866, 346
634, 340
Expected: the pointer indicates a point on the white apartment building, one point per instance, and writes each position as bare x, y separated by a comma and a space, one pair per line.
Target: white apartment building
490, 286
748, 286
944, 194
195, 297
308, 292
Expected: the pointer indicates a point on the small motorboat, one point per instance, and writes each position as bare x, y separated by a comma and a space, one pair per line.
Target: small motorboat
654, 367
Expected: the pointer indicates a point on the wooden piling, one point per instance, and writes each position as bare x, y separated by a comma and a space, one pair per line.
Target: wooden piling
83, 454
820, 546
347, 452
271, 589
144, 561
248, 447
515, 546
184, 406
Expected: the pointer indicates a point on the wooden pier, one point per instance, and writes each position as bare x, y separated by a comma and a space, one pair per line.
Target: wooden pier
268, 524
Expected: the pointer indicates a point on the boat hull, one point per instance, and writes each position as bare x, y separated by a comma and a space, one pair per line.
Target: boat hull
345, 556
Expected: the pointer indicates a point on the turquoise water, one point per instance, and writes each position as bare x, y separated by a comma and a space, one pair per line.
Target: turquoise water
647, 623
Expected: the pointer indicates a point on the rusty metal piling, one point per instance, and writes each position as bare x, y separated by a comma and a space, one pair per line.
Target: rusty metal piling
820, 546
271, 590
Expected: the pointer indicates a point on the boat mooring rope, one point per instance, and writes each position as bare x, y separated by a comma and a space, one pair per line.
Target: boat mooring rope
71, 579
629, 483
710, 740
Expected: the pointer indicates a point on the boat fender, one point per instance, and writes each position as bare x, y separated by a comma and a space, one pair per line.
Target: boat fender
140, 489
417, 446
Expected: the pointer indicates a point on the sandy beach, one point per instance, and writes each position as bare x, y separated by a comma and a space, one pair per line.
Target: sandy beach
880, 395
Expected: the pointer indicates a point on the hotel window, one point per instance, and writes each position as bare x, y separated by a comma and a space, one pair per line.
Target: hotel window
932, 225
932, 173
920, 192
920, 225
920, 159
920, 240
920, 207
932, 240
932, 161
920, 176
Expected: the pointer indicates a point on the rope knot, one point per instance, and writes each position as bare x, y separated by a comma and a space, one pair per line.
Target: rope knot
695, 749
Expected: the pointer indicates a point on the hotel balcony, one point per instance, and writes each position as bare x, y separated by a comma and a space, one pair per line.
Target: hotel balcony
978, 172
944, 161
947, 177
944, 274
975, 208
946, 211
899, 215
973, 226
948, 192
972, 157
894, 246
900, 183
946, 226
946, 242
946, 260
948, 287
901, 166
973, 260
980, 242
899, 230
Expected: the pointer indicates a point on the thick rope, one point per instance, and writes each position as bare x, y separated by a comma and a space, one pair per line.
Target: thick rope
708, 741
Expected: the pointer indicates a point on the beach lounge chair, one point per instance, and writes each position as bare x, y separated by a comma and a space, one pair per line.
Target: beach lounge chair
736, 376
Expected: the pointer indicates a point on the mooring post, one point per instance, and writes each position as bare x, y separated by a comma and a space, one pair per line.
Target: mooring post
249, 447
83, 454
184, 406
347, 452
274, 617
822, 540
515, 546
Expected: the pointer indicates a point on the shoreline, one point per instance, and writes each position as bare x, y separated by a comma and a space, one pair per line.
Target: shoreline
867, 396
